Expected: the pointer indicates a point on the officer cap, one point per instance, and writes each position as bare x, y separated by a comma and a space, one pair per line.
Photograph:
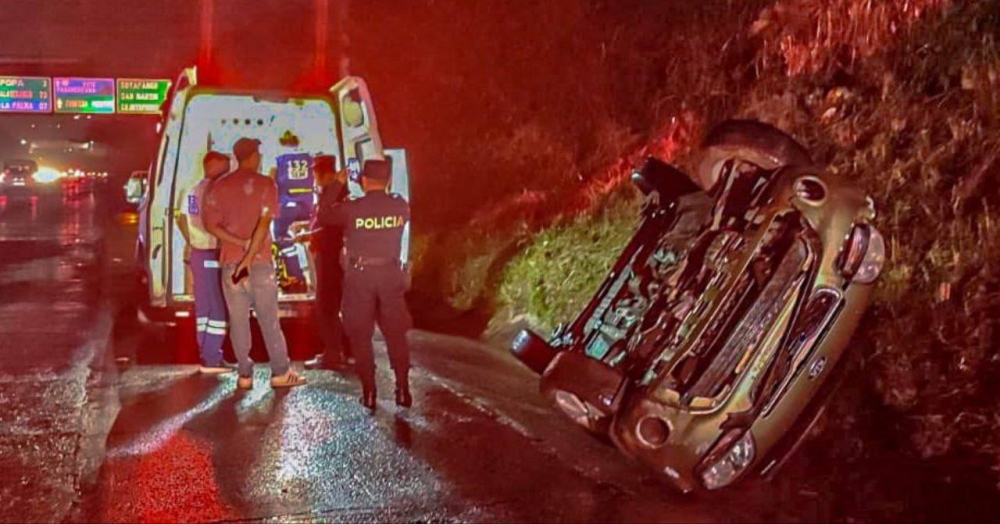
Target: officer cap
244, 148
377, 170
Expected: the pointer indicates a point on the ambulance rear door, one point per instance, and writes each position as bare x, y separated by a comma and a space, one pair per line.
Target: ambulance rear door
358, 126
158, 211
292, 132
401, 186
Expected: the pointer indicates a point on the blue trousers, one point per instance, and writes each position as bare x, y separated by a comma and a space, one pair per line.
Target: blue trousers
209, 305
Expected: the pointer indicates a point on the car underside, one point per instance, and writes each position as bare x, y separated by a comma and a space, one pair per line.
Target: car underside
723, 316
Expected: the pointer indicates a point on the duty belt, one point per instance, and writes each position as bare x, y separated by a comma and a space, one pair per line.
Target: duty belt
363, 262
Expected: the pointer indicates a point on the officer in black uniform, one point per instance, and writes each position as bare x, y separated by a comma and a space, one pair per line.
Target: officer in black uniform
328, 242
374, 281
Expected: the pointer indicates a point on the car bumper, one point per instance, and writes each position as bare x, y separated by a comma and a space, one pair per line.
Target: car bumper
671, 454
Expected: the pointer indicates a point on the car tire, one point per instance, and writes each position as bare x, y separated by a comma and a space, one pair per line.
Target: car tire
533, 351
748, 141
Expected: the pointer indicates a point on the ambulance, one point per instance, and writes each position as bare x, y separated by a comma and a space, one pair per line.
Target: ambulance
293, 130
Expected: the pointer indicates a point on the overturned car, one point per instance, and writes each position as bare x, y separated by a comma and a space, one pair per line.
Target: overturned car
713, 343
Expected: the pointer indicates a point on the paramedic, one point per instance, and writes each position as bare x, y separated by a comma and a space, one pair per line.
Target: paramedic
201, 252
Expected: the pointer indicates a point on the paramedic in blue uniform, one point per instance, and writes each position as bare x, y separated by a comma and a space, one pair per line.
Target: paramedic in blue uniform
202, 255
374, 280
328, 242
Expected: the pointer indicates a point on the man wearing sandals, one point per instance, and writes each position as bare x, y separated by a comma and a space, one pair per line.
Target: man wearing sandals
239, 210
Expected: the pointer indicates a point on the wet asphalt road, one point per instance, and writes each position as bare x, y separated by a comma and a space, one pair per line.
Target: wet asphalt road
86, 438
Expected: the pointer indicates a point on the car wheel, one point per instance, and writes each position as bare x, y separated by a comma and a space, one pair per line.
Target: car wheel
747, 141
533, 351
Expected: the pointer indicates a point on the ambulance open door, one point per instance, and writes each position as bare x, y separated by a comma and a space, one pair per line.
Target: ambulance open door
358, 126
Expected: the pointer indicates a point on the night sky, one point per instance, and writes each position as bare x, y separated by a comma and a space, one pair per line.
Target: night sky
258, 43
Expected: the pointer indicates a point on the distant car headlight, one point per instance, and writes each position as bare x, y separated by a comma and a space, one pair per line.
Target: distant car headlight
46, 175
724, 465
863, 257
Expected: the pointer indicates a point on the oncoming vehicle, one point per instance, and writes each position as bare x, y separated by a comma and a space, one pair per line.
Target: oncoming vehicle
713, 344
135, 187
293, 129
18, 179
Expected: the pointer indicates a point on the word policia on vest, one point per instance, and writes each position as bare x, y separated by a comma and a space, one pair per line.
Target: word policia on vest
386, 222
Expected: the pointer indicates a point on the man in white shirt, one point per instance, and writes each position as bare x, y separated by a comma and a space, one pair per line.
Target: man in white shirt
202, 255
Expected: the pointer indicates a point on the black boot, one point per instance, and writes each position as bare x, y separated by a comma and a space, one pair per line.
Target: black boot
368, 398
403, 397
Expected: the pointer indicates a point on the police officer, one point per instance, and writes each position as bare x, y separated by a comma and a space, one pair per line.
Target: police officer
374, 281
328, 242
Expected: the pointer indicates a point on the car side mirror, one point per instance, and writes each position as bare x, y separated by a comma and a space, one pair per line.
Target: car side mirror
134, 189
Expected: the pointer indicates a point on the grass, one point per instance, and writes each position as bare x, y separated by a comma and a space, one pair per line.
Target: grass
555, 276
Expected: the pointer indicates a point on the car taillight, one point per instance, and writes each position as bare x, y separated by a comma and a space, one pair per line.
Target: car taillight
863, 256
729, 458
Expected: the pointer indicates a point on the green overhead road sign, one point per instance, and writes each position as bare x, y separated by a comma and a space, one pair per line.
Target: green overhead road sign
141, 96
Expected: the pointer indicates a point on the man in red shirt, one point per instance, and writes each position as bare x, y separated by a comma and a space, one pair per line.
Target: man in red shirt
239, 209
